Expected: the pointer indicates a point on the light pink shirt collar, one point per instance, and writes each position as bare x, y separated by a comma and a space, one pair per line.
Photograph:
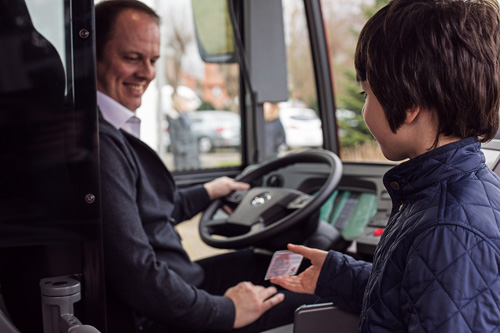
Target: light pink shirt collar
118, 115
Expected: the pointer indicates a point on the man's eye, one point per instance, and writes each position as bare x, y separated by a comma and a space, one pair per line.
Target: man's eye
363, 93
131, 58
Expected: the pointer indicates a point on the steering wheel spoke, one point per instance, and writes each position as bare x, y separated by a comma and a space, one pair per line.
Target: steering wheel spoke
300, 201
235, 197
222, 227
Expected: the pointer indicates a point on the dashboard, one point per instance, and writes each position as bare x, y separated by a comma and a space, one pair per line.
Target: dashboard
360, 207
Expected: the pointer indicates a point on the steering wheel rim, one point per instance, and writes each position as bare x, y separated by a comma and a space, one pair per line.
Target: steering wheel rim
258, 233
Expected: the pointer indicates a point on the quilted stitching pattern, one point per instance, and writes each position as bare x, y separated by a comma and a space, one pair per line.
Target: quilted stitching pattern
437, 266
447, 283
343, 275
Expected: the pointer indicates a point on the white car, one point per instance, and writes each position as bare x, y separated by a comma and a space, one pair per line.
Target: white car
302, 127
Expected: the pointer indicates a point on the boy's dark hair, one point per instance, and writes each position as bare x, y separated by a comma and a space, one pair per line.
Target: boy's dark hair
441, 55
106, 13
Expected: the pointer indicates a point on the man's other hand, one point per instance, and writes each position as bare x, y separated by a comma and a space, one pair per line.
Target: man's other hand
251, 301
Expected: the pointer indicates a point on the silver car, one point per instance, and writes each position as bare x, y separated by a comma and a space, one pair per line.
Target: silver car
216, 129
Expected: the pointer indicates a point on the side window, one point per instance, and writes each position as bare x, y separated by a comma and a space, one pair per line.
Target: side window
48, 19
190, 113
295, 125
343, 21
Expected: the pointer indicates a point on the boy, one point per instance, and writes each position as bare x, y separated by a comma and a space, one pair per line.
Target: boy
430, 72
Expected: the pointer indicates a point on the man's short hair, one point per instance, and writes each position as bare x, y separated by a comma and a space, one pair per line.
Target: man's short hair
106, 13
441, 55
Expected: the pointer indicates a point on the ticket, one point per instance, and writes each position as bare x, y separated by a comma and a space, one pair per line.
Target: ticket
283, 263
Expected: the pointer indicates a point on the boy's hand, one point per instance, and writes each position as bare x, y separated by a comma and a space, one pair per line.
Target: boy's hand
306, 281
251, 301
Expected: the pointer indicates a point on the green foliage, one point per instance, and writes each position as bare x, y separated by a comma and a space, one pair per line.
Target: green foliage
354, 130
205, 106
369, 11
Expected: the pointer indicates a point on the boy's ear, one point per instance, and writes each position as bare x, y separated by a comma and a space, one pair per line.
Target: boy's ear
411, 114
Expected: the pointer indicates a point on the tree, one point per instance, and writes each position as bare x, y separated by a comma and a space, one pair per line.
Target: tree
178, 34
301, 84
353, 129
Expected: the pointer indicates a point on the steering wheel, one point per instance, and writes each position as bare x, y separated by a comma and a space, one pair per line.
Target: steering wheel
262, 213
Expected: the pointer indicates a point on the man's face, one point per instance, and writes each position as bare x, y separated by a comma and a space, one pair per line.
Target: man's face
128, 59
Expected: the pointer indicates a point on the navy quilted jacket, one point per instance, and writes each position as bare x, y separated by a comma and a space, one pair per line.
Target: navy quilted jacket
437, 266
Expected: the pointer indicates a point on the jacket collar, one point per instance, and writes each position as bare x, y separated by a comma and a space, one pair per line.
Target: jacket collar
412, 176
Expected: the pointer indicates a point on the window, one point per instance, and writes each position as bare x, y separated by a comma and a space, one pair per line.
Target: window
293, 125
190, 113
343, 21
200, 128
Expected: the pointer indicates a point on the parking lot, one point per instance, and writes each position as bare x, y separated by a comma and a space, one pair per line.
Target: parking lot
217, 159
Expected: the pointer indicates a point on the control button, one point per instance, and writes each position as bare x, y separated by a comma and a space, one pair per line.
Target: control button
378, 232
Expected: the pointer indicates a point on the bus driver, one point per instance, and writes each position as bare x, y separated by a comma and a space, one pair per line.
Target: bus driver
150, 278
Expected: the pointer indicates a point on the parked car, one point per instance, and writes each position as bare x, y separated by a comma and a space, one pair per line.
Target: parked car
216, 129
302, 127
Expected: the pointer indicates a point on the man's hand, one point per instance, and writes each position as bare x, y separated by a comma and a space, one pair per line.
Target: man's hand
222, 186
306, 281
251, 301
